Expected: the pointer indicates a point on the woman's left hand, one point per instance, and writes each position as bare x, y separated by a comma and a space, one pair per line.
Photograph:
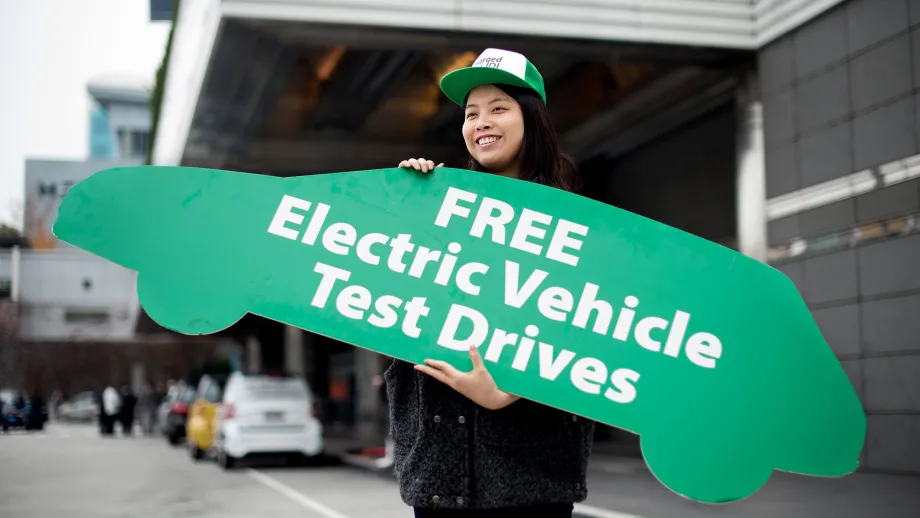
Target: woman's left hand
477, 384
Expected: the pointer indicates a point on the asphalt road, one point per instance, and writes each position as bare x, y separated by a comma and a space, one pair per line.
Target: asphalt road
69, 470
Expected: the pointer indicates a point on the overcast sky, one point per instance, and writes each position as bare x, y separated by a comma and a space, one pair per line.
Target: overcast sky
49, 50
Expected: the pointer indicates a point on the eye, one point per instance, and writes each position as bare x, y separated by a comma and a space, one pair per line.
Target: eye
470, 115
500, 108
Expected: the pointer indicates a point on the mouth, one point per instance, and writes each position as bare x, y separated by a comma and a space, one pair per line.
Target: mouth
487, 140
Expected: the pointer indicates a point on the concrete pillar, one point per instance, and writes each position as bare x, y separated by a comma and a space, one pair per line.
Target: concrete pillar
253, 355
138, 376
293, 350
233, 351
15, 275
309, 357
751, 190
367, 396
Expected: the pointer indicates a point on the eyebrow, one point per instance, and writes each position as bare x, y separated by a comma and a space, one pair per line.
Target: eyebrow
497, 99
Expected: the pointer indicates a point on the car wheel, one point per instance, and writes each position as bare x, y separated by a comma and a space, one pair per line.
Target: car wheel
226, 461
706, 468
194, 452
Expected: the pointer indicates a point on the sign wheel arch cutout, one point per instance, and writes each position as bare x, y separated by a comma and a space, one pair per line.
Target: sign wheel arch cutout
711, 357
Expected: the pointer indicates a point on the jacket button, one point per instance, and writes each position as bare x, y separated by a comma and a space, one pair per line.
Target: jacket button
436, 499
460, 500
461, 419
574, 418
437, 419
577, 486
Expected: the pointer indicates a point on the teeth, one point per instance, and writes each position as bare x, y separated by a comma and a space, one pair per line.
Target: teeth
487, 140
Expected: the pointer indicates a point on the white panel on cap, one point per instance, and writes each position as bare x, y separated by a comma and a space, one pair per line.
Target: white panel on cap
504, 60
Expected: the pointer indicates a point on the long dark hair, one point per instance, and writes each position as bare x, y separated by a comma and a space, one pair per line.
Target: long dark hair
542, 159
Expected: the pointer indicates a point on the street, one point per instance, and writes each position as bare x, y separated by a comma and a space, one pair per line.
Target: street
68, 470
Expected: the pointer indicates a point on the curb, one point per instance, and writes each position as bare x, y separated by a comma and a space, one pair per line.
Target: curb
367, 464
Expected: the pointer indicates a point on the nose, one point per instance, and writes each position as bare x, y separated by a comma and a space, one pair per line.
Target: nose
483, 123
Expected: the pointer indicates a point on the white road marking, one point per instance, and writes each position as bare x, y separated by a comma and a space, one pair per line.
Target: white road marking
598, 512
295, 495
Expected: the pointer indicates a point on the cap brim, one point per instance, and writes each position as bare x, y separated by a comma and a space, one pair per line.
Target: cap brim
457, 84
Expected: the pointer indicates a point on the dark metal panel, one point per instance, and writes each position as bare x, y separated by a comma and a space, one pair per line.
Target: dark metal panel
666, 104
361, 81
247, 71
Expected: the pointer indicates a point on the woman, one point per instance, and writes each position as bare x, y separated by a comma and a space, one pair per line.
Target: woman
462, 446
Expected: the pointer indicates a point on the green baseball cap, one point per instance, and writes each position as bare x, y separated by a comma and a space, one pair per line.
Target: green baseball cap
493, 66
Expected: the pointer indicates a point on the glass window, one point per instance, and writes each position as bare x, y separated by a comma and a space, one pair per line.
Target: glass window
100, 134
161, 10
274, 389
210, 390
213, 393
133, 143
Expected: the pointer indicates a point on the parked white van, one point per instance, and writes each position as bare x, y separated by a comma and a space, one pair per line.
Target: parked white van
264, 414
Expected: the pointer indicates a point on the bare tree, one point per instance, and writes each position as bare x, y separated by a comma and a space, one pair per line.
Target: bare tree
8, 231
16, 222
17, 211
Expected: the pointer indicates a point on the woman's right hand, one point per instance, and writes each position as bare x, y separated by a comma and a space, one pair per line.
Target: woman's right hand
420, 164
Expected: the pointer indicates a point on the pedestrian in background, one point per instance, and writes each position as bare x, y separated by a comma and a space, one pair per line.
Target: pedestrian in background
462, 447
54, 405
145, 401
111, 406
126, 412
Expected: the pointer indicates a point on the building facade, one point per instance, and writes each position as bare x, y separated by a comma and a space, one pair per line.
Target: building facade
842, 137
784, 129
68, 318
66, 293
119, 120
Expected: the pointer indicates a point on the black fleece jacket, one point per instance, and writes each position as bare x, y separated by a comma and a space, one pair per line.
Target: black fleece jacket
451, 453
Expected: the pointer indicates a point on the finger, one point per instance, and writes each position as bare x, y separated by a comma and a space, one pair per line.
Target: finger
444, 367
414, 163
404, 163
441, 164
436, 374
424, 164
477, 359
431, 165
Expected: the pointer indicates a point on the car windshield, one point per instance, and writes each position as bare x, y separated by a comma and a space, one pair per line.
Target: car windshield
186, 395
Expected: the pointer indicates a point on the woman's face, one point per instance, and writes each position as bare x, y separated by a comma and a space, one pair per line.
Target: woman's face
493, 129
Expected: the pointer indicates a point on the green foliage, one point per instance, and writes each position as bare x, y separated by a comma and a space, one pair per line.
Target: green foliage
156, 97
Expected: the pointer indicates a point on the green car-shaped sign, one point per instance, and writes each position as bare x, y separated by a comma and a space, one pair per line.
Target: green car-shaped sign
710, 356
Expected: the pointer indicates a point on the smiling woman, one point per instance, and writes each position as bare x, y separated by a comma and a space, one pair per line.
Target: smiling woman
529, 147
503, 455
493, 130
